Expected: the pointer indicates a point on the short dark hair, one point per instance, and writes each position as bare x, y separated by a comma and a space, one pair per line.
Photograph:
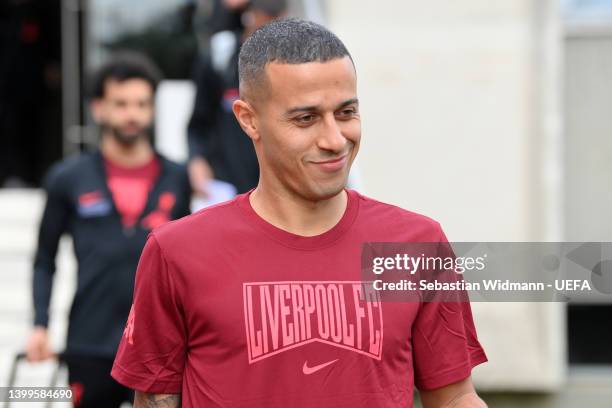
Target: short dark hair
123, 66
290, 41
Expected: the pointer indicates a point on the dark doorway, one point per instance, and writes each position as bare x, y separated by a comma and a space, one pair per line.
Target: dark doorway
590, 334
30, 90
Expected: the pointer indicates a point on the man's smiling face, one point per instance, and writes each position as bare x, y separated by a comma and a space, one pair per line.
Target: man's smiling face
308, 126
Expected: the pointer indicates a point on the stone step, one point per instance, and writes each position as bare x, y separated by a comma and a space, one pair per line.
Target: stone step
20, 212
21, 205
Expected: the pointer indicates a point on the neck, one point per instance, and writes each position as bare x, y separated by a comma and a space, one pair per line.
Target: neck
134, 155
295, 214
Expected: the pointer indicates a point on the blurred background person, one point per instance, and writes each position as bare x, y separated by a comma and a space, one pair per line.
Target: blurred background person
108, 200
218, 148
213, 16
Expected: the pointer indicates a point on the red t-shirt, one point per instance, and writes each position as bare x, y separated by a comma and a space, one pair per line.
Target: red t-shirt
232, 311
130, 187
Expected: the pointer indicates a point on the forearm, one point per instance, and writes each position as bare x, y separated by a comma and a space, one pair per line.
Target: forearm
146, 400
44, 270
458, 395
42, 284
469, 400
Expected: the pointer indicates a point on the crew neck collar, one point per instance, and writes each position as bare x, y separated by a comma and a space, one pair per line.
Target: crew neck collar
298, 241
110, 162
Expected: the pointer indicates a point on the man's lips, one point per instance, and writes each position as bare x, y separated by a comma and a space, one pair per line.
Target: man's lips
131, 129
333, 164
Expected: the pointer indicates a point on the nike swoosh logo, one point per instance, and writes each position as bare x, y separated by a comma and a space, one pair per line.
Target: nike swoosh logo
309, 370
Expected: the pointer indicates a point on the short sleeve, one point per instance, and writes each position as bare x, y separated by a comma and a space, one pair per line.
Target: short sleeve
151, 355
444, 341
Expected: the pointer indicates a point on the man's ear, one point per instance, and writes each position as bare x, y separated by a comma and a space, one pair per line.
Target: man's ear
96, 109
247, 118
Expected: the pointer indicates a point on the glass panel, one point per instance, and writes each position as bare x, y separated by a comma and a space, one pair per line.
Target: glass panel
162, 29
587, 10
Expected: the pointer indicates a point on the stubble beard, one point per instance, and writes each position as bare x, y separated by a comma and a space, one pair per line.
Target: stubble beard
127, 139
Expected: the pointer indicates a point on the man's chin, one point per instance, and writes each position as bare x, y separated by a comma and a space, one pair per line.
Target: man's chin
326, 191
128, 139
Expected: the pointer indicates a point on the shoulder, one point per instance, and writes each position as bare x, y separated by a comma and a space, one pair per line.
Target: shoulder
171, 166
176, 171
392, 218
64, 171
203, 228
375, 207
72, 164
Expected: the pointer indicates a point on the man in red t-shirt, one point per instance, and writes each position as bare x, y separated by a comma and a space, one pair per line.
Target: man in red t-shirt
258, 302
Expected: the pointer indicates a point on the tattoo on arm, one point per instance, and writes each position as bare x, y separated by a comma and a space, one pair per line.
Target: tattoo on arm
145, 400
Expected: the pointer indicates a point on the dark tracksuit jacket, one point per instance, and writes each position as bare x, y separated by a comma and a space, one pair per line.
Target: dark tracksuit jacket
213, 131
80, 203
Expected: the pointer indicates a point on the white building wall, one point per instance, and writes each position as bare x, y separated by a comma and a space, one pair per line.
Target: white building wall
459, 109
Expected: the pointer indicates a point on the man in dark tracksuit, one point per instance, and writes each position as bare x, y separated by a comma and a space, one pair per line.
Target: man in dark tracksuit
218, 147
214, 136
108, 200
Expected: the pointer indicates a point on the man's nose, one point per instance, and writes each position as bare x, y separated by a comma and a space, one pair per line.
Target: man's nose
331, 137
134, 109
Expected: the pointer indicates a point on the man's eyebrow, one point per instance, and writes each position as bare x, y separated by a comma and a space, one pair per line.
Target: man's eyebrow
302, 109
352, 101
314, 108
